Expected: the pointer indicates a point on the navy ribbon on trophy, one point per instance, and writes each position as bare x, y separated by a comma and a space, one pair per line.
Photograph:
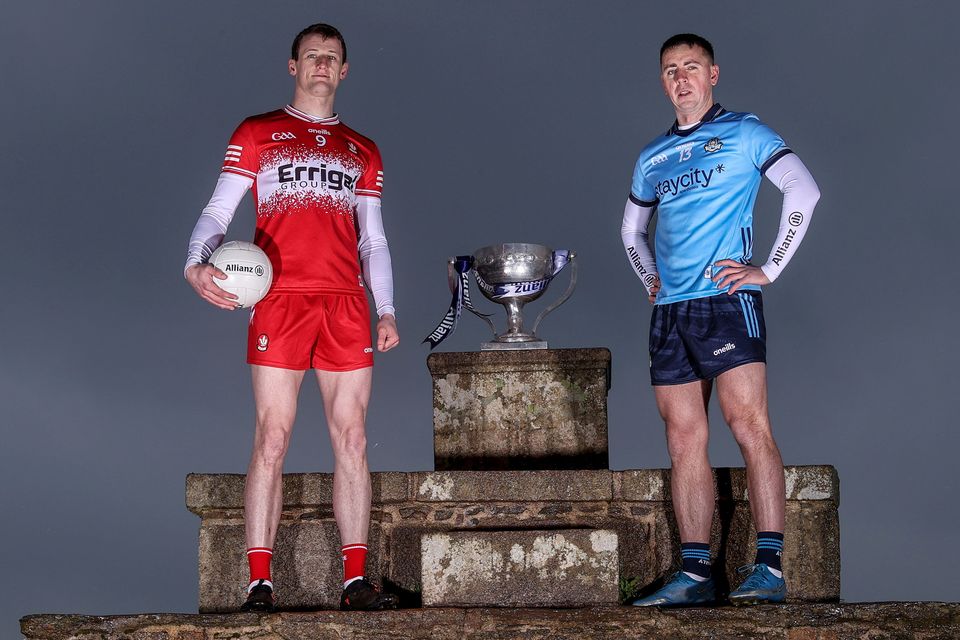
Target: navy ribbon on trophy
459, 279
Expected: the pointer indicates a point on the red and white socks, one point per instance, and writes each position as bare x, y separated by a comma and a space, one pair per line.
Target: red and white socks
259, 560
354, 562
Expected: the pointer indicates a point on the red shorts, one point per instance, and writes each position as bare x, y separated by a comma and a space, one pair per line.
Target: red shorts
328, 332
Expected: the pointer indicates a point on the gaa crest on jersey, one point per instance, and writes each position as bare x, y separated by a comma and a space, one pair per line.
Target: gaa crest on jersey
277, 136
713, 145
262, 342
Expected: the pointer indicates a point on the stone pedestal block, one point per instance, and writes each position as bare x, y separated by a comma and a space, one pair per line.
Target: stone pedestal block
527, 409
558, 568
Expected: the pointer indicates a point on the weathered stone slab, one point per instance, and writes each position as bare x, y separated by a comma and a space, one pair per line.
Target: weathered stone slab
207, 492
224, 491
525, 409
480, 486
917, 621
813, 482
557, 568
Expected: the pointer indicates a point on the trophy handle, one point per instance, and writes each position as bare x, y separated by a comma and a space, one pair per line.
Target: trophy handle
564, 297
485, 319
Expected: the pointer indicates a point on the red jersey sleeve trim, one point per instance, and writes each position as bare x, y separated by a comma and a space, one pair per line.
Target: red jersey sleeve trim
238, 170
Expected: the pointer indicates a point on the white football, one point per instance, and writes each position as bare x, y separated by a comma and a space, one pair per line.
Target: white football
248, 269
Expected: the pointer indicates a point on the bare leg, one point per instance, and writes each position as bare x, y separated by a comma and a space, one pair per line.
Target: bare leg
345, 397
684, 410
743, 398
275, 394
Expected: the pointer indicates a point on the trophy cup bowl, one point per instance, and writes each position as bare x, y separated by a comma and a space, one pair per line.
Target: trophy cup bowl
513, 274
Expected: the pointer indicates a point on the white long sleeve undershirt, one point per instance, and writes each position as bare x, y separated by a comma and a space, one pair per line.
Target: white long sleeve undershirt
800, 196
636, 241
375, 254
212, 224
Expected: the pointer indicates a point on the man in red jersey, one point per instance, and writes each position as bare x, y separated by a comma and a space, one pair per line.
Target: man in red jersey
317, 186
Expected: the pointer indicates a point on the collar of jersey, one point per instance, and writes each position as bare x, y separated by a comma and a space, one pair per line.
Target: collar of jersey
711, 114
296, 113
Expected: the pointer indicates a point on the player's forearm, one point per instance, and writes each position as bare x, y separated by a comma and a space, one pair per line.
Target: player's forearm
636, 242
375, 254
212, 224
800, 196
378, 274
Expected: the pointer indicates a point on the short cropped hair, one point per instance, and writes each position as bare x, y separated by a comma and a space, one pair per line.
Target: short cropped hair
689, 39
320, 29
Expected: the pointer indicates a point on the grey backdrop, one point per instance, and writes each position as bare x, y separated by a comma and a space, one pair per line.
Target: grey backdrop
498, 121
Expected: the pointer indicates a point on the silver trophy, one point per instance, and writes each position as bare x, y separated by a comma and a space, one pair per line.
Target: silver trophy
514, 274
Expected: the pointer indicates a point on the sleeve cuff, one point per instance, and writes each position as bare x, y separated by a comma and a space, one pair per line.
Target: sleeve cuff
769, 272
641, 203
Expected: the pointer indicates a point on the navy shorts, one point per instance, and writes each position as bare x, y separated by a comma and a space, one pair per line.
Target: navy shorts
700, 339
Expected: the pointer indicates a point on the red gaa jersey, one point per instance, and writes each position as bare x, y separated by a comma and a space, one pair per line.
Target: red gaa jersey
308, 173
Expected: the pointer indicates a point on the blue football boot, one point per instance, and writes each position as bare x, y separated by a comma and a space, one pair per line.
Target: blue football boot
759, 587
680, 591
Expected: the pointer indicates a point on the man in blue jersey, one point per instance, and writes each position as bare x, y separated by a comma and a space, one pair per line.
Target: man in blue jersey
701, 178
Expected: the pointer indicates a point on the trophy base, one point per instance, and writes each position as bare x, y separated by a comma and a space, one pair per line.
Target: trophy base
513, 346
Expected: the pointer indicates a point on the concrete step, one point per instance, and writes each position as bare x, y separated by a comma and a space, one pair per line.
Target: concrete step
558, 568
877, 621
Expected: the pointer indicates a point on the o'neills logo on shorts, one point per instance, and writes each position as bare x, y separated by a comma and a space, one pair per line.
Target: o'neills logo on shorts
727, 347
262, 342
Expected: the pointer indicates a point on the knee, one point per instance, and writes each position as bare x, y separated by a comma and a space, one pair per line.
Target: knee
684, 440
351, 443
271, 446
750, 428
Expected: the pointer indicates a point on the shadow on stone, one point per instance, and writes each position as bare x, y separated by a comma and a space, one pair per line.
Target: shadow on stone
725, 510
408, 598
529, 463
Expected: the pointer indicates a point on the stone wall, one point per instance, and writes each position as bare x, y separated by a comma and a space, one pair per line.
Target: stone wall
632, 504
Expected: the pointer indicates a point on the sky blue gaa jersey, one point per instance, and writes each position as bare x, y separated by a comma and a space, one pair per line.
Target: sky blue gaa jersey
704, 182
